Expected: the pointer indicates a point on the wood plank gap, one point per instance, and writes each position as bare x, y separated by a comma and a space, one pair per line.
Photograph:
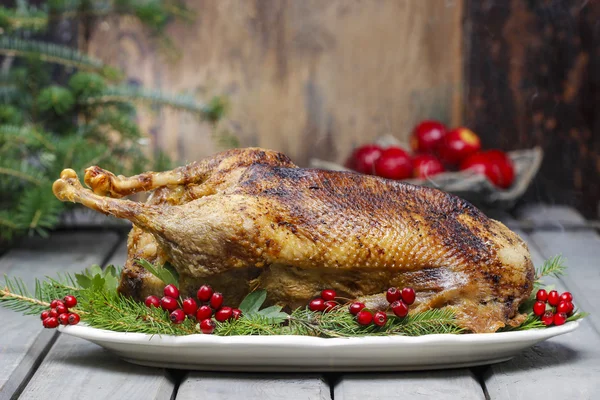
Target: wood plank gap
26, 370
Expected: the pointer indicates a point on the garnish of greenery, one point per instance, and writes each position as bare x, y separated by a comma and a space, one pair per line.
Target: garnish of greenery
100, 306
553, 267
165, 273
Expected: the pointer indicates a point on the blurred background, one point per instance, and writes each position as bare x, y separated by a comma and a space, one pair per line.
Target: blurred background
139, 85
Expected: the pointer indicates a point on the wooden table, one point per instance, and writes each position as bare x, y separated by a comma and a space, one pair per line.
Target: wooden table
42, 364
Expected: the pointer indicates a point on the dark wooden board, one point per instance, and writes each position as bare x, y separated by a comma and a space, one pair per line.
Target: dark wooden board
533, 78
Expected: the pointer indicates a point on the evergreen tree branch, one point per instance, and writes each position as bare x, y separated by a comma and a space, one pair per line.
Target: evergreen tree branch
29, 19
52, 53
152, 97
20, 175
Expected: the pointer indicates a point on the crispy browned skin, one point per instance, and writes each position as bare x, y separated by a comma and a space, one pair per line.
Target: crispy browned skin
250, 218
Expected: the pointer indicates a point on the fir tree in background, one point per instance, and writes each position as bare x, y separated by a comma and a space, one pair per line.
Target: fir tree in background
60, 108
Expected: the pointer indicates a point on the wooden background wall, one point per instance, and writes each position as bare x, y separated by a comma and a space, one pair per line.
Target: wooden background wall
315, 78
309, 78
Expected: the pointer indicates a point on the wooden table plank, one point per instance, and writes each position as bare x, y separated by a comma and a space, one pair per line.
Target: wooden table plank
563, 367
96, 373
252, 387
445, 384
90, 372
23, 339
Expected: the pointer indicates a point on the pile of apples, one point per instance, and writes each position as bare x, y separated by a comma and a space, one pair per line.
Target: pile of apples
435, 150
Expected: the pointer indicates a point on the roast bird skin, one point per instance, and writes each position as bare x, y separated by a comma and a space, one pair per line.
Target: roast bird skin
249, 218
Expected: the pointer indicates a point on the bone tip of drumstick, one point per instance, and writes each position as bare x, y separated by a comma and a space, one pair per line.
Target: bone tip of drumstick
68, 173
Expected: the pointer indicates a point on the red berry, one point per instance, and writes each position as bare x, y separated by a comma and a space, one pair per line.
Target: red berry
356, 307
399, 308
224, 314
70, 301
363, 159
204, 312
168, 303
152, 301
44, 315
571, 308
204, 293
539, 308
207, 326
329, 305
316, 305
408, 295
50, 322
548, 318
74, 319
553, 298
63, 319
236, 313
55, 303
541, 295
393, 294
328, 294
560, 318
171, 291
564, 307
566, 296
216, 300
189, 306
364, 317
177, 316
380, 318
53, 313
61, 309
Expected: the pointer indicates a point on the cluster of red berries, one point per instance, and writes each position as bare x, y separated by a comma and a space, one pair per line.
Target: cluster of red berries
324, 303
399, 301
561, 307
59, 313
211, 303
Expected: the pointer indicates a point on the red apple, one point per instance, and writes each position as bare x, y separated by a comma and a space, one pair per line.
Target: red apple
494, 164
427, 136
394, 163
426, 166
505, 164
459, 144
363, 159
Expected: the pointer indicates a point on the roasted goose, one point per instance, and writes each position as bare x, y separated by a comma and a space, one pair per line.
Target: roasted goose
250, 218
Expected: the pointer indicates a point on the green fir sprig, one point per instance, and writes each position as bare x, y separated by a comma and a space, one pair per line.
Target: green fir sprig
553, 267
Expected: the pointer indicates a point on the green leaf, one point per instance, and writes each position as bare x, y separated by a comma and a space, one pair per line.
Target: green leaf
252, 302
274, 313
83, 281
162, 273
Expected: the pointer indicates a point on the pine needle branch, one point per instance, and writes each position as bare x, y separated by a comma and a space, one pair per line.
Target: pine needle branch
20, 175
552, 267
152, 98
52, 53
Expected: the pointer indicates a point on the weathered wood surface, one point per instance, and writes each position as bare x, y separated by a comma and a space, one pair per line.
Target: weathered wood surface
310, 78
532, 79
23, 340
253, 387
100, 375
446, 384
562, 367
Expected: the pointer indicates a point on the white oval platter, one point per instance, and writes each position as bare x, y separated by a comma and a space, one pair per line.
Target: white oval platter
304, 353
